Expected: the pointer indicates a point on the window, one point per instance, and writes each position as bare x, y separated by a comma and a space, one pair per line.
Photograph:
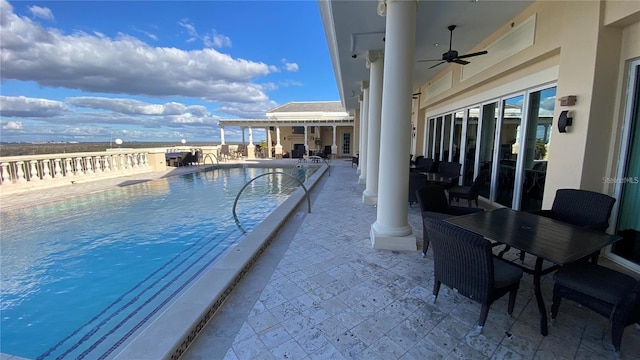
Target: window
297, 130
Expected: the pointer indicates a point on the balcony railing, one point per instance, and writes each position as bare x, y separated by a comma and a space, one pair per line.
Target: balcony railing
39, 171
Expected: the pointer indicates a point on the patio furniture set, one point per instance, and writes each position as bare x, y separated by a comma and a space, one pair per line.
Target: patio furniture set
469, 246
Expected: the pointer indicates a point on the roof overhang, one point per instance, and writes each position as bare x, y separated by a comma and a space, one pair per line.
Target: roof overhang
354, 27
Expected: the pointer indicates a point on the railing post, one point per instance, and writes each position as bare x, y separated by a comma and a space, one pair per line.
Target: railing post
46, 169
32, 174
68, 167
57, 166
20, 172
78, 169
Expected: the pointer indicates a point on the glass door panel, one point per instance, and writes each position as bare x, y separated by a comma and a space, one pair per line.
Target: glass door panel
509, 148
487, 136
470, 147
457, 135
437, 139
429, 143
446, 138
628, 224
535, 148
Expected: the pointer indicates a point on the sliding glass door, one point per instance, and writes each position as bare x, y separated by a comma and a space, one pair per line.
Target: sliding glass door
627, 250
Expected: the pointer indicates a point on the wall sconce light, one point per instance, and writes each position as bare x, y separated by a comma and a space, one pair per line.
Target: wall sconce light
568, 100
566, 119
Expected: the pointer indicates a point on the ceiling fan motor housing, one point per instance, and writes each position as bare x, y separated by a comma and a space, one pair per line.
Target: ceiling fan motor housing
450, 55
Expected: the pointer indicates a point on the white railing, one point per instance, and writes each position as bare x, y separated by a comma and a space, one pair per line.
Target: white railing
28, 172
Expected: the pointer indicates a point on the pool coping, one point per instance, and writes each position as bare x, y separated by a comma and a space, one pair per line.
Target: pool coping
171, 333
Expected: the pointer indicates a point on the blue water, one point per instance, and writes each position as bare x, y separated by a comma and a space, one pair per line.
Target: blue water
81, 276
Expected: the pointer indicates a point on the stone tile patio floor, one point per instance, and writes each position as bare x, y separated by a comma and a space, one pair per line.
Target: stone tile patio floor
321, 292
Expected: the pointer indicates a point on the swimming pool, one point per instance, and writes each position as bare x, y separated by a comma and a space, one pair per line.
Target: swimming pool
81, 277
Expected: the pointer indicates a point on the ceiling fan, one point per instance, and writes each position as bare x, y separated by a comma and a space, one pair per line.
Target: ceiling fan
452, 55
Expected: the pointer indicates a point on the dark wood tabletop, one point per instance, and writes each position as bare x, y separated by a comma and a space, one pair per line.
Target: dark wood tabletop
552, 240
437, 178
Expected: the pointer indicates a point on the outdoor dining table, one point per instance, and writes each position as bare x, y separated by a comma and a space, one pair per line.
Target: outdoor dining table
437, 178
547, 239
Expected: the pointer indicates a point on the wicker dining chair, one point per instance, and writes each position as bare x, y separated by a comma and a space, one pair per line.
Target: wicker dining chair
582, 208
607, 292
434, 205
463, 260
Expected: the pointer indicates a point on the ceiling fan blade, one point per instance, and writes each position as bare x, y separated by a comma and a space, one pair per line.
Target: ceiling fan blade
473, 54
440, 63
429, 60
461, 62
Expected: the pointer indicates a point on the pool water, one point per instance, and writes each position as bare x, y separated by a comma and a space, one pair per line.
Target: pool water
82, 276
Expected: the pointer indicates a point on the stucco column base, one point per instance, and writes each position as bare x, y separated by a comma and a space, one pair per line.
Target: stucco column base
393, 241
251, 151
369, 199
362, 180
278, 149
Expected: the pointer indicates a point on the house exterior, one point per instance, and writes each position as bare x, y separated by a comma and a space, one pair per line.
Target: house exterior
296, 129
547, 62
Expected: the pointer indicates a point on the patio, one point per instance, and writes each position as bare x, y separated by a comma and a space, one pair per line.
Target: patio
321, 292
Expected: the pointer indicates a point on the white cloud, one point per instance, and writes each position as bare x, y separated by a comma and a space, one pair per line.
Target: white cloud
191, 30
41, 12
291, 67
12, 125
20, 106
126, 65
128, 106
216, 40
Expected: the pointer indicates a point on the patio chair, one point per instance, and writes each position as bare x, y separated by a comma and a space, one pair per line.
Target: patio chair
582, 208
607, 292
447, 168
463, 260
416, 181
423, 164
224, 152
469, 192
434, 205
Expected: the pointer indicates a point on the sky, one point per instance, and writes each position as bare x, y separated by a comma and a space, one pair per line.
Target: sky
155, 70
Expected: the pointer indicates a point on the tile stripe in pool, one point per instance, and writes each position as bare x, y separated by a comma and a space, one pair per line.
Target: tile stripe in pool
131, 315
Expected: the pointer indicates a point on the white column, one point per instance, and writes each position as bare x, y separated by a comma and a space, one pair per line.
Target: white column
365, 131
334, 146
222, 136
391, 230
306, 142
268, 149
278, 145
251, 149
361, 139
375, 63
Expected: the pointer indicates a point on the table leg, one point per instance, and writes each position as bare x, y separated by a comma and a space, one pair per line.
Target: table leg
538, 291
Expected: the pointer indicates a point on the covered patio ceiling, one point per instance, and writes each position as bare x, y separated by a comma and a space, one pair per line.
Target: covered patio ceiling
354, 27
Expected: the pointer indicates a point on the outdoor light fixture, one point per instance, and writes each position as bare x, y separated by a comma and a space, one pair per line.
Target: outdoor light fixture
566, 119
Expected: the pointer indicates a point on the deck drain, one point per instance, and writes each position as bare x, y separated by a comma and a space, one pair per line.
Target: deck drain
298, 215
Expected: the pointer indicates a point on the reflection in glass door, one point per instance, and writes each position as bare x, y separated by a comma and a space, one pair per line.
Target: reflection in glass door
437, 136
489, 115
429, 140
470, 145
446, 138
509, 149
536, 147
628, 183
